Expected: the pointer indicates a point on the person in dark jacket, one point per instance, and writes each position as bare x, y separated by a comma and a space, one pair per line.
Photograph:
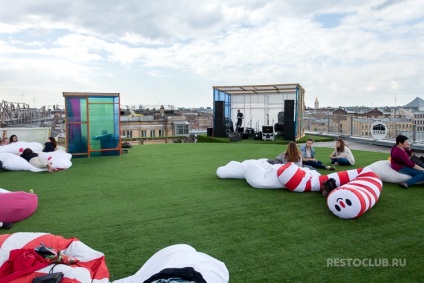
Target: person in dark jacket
51, 145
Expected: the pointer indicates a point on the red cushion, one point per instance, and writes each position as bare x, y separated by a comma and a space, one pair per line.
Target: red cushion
15, 206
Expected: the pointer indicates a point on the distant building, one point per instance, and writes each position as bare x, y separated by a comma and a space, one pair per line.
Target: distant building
164, 123
316, 103
416, 104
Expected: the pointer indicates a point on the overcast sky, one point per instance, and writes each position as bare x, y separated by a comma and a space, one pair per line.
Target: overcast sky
171, 52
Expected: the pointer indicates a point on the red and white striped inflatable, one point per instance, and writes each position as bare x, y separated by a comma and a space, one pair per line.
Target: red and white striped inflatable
298, 179
357, 190
356, 197
91, 266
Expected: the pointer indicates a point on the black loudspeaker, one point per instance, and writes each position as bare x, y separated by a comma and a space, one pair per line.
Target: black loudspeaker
209, 132
289, 120
279, 128
250, 131
257, 136
219, 120
288, 131
281, 117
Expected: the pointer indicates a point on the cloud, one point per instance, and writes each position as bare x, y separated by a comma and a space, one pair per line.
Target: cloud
342, 52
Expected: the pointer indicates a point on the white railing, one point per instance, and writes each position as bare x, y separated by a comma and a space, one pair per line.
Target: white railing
353, 126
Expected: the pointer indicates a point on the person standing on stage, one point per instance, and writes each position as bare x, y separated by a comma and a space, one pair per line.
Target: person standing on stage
239, 120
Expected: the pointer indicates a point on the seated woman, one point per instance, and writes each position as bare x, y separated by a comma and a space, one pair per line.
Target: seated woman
292, 154
342, 154
4, 141
13, 138
308, 156
400, 162
36, 161
50, 146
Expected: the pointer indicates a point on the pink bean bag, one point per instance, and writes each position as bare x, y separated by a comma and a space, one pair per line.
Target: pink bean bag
16, 206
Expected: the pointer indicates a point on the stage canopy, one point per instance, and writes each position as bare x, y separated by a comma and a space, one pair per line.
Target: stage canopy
261, 105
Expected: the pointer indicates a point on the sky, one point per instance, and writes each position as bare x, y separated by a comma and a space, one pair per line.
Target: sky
172, 52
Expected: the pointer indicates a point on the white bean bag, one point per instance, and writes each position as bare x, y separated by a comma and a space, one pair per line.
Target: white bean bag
232, 170
180, 256
59, 159
386, 173
13, 162
257, 172
19, 147
356, 197
261, 175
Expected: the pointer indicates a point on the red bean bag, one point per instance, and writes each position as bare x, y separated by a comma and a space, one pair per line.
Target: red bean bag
91, 265
16, 206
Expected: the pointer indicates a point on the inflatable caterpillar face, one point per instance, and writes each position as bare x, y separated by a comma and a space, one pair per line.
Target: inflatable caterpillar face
356, 197
341, 202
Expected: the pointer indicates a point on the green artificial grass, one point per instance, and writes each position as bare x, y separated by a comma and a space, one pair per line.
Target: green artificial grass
130, 206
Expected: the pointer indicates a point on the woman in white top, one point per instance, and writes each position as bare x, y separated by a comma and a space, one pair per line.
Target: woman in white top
342, 154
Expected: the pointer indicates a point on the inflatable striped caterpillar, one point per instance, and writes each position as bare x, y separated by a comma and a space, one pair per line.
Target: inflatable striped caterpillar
357, 189
298, 179
356, 197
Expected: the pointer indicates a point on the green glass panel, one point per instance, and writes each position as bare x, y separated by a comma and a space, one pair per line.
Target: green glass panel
101, 99
104, 134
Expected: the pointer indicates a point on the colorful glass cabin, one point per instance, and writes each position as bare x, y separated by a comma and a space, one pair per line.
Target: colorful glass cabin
92, 124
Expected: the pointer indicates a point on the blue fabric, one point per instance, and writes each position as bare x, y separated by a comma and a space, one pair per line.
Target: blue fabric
340, 161
417, 175
316, 164
303, 151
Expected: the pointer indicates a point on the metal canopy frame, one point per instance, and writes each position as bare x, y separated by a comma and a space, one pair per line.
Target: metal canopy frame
259, 89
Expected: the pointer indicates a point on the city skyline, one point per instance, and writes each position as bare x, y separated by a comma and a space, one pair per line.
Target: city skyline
343, 52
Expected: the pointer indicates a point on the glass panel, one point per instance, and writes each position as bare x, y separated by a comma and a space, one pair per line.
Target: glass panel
103, 131
76, 132
76, 135
181, 129
100, 99
76, 109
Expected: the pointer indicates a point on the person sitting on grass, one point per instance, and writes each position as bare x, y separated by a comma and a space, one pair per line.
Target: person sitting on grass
292, 154
342, 154
308, 156
36, 161
400, 162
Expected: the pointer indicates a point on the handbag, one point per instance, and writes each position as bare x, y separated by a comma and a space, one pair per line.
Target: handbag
55, 277
328, 186
417, 160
